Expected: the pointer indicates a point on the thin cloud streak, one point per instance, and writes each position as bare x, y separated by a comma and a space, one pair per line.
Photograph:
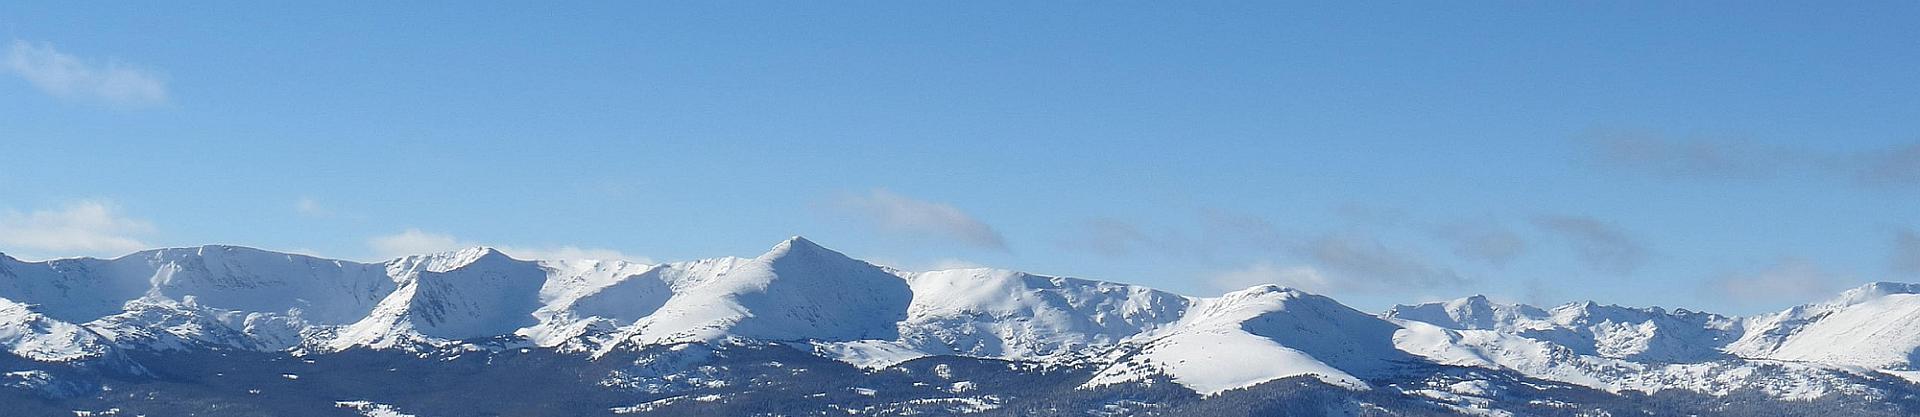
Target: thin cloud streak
1731, 159
894, 213
1361, 263
418, 242
87, 227
1264, 272
1487, 242
1788, 280
1601, 246
68, 77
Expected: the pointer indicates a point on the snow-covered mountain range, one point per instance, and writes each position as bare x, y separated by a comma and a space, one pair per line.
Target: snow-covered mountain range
129, 315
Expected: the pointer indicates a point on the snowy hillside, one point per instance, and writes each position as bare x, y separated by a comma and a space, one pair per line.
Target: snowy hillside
1256, 335
1085, 335
1652, 334
1873, 326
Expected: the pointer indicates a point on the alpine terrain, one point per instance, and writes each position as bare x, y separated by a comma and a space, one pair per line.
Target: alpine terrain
802, 330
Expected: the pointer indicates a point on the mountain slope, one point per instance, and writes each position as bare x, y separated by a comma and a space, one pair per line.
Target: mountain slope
35, 336
468, 294
796, 291
1872, 326
1260, 334
992, 313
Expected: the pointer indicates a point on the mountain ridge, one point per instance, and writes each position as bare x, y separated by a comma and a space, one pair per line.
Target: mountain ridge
218, 297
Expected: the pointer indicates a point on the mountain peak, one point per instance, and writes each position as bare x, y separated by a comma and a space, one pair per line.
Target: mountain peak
1263, 289
800, 247
1476, 301
1469, 313
476, 252
447, 261
1874, 291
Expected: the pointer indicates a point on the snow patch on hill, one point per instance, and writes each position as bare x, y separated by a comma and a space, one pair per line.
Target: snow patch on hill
1256, 335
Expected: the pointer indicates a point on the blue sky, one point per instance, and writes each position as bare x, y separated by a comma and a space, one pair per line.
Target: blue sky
1715, 156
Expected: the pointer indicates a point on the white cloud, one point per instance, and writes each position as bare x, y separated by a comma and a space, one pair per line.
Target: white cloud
901, 214
922, 266
946, 264
93, 228
571, 253
1298, 277
68, 77
1787, 280
415, 242
310, 207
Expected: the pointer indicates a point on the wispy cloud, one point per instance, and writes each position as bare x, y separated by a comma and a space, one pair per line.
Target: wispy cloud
1790, 279
69, 77
1601, 246
1265, 272
416, 241
1228, 231
1218, 233
308, 206
1343, 264
1113, 238
1259, 252
1488, 242
570, 252
895, 213
1730, 158
1899, 166
1692, 157
1365, 264
1906, 251
90, 227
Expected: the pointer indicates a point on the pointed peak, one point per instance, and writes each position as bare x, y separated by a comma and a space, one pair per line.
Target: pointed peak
480, 252
800, 247
447, 261
797, 241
